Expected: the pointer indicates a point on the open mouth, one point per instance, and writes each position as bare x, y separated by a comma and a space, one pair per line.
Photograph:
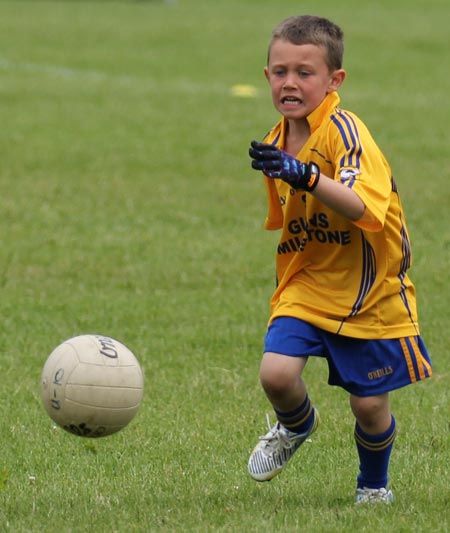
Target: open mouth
292, 100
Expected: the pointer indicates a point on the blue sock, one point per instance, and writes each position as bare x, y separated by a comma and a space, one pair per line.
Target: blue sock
374, 453
299, 420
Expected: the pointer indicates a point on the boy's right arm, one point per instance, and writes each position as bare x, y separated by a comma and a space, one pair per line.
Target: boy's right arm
339, 198
278, 164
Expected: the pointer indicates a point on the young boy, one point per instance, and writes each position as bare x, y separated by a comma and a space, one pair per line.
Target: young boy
343, 292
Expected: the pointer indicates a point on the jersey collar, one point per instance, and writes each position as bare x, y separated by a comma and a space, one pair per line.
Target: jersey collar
328, 104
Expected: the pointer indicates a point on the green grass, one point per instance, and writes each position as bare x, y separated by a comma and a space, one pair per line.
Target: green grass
128, 208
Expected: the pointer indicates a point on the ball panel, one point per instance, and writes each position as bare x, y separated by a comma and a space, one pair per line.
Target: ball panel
103, 397
100, 376
57, 370
97, 419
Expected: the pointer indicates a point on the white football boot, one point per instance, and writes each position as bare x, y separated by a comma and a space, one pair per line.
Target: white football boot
275, 448
366, 495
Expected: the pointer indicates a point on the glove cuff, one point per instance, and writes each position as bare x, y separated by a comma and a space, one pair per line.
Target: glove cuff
312, 177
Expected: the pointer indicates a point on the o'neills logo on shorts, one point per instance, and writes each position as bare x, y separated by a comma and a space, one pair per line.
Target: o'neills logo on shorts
380, 373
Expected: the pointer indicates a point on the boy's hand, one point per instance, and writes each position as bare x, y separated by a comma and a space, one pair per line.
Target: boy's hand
278, 164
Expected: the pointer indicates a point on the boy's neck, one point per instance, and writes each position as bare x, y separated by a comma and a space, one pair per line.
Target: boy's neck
296, 135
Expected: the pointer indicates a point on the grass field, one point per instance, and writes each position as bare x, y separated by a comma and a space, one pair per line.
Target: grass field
128, 208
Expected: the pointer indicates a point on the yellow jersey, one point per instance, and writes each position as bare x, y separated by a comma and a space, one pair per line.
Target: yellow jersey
345, 277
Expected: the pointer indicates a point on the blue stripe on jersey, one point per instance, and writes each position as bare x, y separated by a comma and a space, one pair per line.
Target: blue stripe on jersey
368, 274
350, 137
406, 250
404, 265
343, 135
356, 147
275, 141
394, 185
351, 183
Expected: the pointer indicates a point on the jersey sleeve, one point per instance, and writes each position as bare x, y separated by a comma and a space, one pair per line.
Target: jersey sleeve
361, 166
274, 218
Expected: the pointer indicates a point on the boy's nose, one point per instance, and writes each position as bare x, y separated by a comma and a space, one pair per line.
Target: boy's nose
290, 81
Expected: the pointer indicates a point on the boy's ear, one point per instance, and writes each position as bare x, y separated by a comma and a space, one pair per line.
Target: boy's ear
336, 80
266, 73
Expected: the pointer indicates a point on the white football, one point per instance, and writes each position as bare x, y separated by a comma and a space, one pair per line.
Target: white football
92, 385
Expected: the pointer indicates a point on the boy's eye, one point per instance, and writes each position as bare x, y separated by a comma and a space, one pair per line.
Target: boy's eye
304, 74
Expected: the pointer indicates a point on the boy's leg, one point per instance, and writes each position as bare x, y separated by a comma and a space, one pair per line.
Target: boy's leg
281, 379
375, 432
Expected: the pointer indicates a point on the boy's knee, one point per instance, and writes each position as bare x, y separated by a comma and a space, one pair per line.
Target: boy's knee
276, 381
371, 411
366, 406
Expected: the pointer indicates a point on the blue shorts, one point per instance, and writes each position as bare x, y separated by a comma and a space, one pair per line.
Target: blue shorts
362, 367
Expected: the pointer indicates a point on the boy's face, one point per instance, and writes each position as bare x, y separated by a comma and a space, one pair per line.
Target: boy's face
299, 78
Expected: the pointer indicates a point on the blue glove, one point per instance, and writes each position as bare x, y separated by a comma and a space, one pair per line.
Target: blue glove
278, 164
